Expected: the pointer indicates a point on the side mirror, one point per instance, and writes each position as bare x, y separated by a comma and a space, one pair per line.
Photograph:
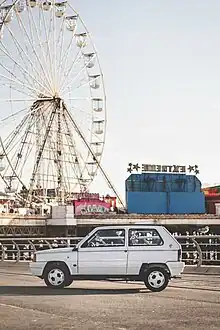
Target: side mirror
75, 248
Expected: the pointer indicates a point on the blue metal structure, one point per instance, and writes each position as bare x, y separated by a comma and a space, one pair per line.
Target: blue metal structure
153, 193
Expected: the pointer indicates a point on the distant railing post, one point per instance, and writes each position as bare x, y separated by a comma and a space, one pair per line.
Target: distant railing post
199, 251
18, 255
3, 252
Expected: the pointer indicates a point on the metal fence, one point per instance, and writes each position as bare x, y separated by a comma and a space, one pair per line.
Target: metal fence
197, 250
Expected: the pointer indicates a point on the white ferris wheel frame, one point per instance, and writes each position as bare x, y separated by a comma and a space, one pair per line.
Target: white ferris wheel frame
87, 144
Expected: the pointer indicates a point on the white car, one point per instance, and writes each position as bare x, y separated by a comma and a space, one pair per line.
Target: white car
138, 252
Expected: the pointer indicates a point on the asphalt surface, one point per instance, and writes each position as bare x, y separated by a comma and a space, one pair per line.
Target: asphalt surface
192, 302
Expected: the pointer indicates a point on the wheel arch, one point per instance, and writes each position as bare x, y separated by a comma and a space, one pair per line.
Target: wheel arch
147, 266
56, 263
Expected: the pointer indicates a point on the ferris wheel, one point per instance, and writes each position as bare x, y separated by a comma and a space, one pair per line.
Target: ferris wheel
52, 101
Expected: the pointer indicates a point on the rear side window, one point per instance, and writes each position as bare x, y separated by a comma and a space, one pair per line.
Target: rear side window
144, 237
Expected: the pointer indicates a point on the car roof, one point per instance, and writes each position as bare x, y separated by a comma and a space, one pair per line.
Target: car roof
139, 225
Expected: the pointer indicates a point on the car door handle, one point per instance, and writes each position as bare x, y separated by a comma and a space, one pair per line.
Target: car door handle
125, 250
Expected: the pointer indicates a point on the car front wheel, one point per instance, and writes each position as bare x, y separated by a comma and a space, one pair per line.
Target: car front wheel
156, 279
56, 277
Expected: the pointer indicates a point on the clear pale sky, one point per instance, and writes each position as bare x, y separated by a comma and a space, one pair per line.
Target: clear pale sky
161, 64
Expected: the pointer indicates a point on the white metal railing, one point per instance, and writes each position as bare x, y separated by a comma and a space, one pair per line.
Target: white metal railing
197, 250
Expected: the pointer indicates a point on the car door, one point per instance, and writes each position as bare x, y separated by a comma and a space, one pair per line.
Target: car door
104, 253
145, 245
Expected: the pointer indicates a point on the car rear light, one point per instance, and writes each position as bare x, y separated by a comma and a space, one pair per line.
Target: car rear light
179, 255
34, 257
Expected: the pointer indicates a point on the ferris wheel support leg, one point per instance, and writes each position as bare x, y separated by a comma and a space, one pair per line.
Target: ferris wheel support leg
59, 157
40, 152
78, 171
94, 157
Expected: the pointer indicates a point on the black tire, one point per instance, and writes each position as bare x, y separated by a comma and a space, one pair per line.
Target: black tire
156, 279
68, 281
56, 276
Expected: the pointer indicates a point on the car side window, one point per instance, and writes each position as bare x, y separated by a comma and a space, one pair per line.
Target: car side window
143, 237
106, 238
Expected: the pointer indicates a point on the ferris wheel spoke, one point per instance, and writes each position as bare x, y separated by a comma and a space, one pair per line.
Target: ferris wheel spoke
82, 111
65, 57
47, 34
86, 83
89, 82
25, 77
37, 57
88, 115
90, 150
43, 28
27, 154
46, 73
12, 136
16, 143
40, 177
61, 36
17, 81
15, 63
3, 2
22, 142
16, 89
54, 55
75, 152
16, 157
67, 72
18, 128
23, 70
14, 174
22, 52
52, 151
15, 168
62, 90
80, 133
40, 152
13, 115
16, 100
44, 62
26, 135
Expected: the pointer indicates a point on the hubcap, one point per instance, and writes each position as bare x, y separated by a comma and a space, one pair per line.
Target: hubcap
56, 277
156, 279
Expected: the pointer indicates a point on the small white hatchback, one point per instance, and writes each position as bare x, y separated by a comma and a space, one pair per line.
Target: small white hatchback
146, 253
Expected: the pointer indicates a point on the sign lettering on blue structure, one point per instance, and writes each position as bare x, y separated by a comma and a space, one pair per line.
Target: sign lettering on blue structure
162, 168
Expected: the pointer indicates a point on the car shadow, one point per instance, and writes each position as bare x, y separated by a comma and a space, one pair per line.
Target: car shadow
45, 291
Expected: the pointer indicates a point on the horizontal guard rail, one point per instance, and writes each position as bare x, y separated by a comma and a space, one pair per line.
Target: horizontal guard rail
197, 250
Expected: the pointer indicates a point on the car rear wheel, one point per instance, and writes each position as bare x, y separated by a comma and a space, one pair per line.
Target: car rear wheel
56, 276
156, 279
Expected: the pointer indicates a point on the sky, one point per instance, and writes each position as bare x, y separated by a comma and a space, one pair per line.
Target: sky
161, 66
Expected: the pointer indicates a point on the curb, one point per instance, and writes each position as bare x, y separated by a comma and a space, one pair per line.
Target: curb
202, 270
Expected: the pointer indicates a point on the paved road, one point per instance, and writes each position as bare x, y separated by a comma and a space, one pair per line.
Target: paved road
25, 303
